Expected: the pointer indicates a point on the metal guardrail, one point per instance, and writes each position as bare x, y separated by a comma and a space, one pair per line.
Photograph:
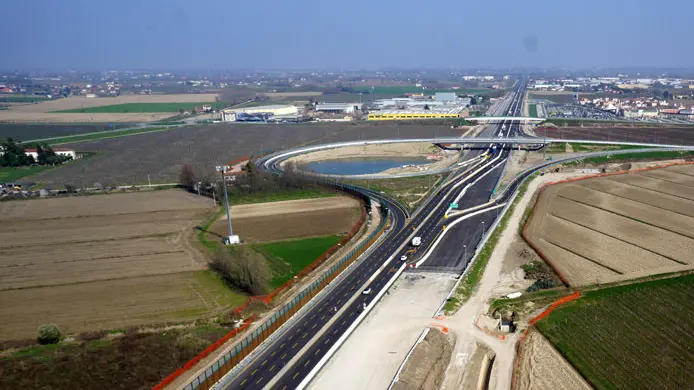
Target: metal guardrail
246, 346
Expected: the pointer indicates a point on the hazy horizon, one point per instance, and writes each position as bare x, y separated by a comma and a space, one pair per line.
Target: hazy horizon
358, 35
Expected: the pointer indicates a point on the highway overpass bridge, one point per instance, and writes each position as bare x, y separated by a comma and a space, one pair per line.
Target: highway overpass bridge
273, 158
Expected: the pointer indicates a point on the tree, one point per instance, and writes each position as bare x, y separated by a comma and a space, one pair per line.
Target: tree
244, 268
48, 334
187, 177
473, 101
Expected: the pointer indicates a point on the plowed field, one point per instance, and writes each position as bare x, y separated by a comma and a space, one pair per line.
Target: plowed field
98, 262
617, 227
542, 367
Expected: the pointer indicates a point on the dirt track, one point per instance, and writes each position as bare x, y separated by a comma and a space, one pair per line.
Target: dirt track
542, 367
291, 219
101, 261
617, 227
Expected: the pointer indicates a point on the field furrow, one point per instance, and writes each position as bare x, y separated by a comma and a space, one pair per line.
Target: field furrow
672, 177
642, 196
664, 219
576, 269
662, 242
641, 181
590, 244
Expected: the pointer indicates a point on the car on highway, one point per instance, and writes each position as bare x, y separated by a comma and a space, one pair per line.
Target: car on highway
367, 291
403, 258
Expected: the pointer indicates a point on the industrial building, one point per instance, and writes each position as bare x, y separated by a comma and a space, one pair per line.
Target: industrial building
338, 108
434, 113
277, 110
445, 105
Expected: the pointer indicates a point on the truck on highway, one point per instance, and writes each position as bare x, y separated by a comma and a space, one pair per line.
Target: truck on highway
417, 241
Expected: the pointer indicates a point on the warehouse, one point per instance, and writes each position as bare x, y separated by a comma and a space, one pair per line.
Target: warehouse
277, 110
390, 115
338, 108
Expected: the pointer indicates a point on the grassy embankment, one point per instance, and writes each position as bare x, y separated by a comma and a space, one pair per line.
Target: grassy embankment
630, 336
129, 108
655, 155
288, 258
470, 280
10, 174
409, 191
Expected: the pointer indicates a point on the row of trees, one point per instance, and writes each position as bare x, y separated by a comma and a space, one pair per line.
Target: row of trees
13, 155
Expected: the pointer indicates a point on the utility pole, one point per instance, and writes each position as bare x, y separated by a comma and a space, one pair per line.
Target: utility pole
231, 238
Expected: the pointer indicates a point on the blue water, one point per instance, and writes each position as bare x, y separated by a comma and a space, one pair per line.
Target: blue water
361, 166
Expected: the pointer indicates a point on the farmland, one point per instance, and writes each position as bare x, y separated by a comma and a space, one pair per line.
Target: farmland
256, 223
129, 160
617, 227
629, 337
542, 367
10, 174
103, 262
532, 109
49, 111
403, 89
26, 132
622, 132
141, 107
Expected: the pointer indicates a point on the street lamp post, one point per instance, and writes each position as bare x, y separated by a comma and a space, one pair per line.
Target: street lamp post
231, 238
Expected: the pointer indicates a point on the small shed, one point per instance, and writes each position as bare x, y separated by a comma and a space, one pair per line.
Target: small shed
506, 326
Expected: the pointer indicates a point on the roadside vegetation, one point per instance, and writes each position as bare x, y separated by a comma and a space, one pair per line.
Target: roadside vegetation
121, 358
470, 280
409, 191
655, 155
630, 336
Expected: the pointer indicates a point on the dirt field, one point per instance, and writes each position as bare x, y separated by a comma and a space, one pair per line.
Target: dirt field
43, 111
665, 135
617, 227
129, 160
542, 367
291, 219
107, 261
427, 364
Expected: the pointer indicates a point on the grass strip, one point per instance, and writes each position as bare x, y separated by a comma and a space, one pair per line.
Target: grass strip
105, 135
202, 234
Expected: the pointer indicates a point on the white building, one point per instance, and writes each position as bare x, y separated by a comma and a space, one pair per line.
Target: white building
58, 151
338, 108
229, 114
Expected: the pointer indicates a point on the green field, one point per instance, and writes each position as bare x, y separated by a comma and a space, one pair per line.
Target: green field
288, 258
636, 336
128, 108
532, 109
21, 99
10, 174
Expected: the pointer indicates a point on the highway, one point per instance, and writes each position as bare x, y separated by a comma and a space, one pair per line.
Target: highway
426, 223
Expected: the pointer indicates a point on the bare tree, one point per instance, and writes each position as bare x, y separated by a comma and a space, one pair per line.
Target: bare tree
187, 177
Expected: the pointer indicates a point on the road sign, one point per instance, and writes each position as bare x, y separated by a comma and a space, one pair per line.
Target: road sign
454, 205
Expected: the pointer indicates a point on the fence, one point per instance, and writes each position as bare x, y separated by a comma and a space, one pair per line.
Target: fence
232, 358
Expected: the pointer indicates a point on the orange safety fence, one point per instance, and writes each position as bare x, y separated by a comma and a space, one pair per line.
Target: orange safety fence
538, 317
265, 298
192, 362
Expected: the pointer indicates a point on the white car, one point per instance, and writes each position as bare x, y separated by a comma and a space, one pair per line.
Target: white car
367, 291
403, 258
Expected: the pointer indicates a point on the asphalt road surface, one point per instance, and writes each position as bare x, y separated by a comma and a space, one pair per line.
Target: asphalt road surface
269, 363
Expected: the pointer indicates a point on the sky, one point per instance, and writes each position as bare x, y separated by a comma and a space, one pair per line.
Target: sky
352, 34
